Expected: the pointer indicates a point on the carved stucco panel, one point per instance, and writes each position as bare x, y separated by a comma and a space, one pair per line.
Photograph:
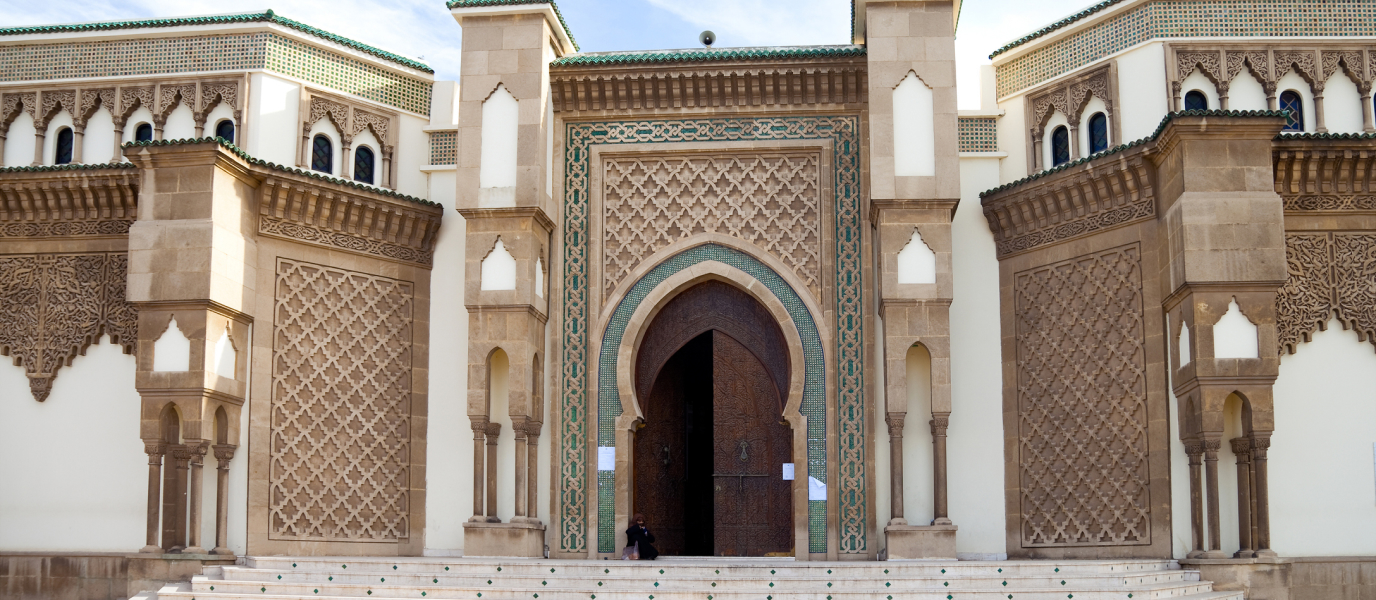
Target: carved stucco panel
1331, 275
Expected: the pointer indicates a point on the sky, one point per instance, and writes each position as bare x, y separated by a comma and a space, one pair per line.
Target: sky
425, 30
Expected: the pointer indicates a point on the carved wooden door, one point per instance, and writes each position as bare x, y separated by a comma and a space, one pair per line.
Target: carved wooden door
752, 504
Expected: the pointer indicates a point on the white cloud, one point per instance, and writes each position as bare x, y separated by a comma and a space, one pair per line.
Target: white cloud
767, 22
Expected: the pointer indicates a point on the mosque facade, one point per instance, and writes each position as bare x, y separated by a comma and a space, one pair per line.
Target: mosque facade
783, 301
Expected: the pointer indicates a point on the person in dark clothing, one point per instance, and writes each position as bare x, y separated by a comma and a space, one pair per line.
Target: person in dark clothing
637, 533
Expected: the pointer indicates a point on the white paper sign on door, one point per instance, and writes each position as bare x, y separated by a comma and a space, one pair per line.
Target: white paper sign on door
606, 458
788, 471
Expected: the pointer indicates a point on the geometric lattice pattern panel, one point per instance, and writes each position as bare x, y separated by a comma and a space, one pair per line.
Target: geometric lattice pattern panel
1330, 274
768, 199
341, 395
206, 53
1194, 19
54, 306
575, 441
444, 147
979, 134
1082, 402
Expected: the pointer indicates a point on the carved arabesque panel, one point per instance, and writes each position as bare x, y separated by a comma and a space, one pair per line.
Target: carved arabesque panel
769, 199
341, 395
1082, 402
1331, 274
55, 306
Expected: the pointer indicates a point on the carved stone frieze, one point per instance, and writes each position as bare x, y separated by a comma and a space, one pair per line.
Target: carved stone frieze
613, 87
101, 202
303, 210
1207, 63
53, 102
1069, 97
1081, 396
1331, 275
337, 112
58, 305
366, 120
1301, 61
1325, 175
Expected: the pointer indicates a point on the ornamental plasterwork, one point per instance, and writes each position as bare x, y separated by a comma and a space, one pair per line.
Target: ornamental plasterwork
159, 97
1069, 97
1269, 63
349, 119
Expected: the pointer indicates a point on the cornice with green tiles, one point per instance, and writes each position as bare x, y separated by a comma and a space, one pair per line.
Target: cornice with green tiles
452, 4
710, 55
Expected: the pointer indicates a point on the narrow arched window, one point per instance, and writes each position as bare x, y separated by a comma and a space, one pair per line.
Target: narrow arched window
225, 129
1098, 133
1290, 100
1196, 100
143, 133
322, 155
1060, 146
363, 164
64, 147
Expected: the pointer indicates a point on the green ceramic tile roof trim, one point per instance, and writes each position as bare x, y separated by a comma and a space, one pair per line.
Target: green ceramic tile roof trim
1151, 138
1054, 26
264, 17
709, 54
237, 151
476, 3
71, 167
1325, 136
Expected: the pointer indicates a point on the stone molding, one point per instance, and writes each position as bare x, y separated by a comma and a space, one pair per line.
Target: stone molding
68, 203
1325, 176
296, 208
674, 87
1104, 194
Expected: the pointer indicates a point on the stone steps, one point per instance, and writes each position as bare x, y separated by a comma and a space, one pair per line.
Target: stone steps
353, 578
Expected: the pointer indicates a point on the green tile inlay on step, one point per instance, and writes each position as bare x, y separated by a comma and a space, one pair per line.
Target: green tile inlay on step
279, 576
446, 568
346, 566
264, 590
332, 578
1005, 584
599, 584
370, 592
544, 583
293, 565
435, 581
394, 567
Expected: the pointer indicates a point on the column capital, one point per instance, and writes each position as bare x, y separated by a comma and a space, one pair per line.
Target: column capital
895, 423
1242, 447
224, 453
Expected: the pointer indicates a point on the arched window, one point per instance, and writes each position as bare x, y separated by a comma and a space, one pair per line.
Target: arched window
64, 147
1098, 133
1290, 100
225, 129
1196, 100
1060, 146
322, 155
363, 164
143, 133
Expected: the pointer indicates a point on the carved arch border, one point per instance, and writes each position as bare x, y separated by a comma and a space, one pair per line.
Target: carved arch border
350, 118
636, 305
1070, 96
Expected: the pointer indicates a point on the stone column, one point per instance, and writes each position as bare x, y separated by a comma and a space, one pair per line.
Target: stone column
223, 454
174, 500
193, 502
1037, 152
493, 432
1075, 139
1272, 103
532, 470
119, 141
1368, 122
78, 143
895, 423
304, 161
1177, 98
39, 132
386, 177
155, 451
1261, 441
479, 426
1223, 94
1319, 124
518, 427
346, 164
1242, 448
939, 423
1211, 446
1195, 451
158, 124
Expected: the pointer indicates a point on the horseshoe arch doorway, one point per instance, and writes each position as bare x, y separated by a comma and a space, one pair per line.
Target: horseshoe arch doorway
712, 377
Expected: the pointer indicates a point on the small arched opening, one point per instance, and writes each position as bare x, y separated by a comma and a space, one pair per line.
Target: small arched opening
1060, 146
1292, 101
1098, 133
62, 154
225, 130
1196, 100
322, 154
143, 132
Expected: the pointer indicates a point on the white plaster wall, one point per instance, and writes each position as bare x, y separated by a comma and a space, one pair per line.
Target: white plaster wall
1227, 476
181, 124
1342, 105
499, 379
449, 440
411, 153
1013, 131
19, 141
917, 440
1142, 95
1292, 81
1181, 541
498, 268
1246, 93
1323, 491
326, 127
274, 108
974, 440
131, 126
497, 166
1198, 82
916, 261
75, 475
914, 128
98, 145
58, 121
1093, 107
1235, 336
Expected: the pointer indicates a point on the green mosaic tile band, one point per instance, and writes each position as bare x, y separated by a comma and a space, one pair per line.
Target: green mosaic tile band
979, 134
814, 378
646, 57
211, 53
444, 149
1192, 19
574, 450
